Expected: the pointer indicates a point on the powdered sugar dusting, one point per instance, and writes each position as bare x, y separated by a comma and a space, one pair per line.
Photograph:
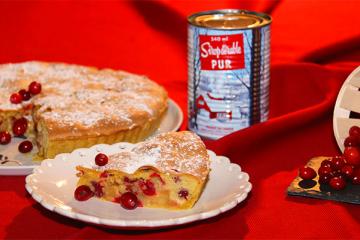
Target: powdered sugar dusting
83, 96
181, 152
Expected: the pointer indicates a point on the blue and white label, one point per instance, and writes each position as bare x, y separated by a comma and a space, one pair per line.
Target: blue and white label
228, 79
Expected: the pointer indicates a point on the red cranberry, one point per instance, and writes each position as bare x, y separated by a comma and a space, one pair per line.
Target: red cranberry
129, 201
147, 187
351, 141
324, 179
15, 98
347, 170
25, 146
21, 121
352, 156
354, 131
339, 174
25, 94
83, 193
338, 162
337, 183
355, 179
5, 138
35, 88
324, 170
101, 159
327, 163
307, 173
183, 193
20, 126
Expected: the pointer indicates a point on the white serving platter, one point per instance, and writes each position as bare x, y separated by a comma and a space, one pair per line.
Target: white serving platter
52, 184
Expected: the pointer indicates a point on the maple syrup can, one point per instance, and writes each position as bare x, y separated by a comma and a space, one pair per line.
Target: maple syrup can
228, 71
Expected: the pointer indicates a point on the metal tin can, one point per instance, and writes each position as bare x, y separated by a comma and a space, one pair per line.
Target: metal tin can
228, 71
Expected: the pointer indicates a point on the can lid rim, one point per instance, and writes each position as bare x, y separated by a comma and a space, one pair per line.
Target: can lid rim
267, 19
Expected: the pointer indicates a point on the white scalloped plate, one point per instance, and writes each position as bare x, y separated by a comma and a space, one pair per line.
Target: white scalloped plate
21, 164
348, 100
53, 183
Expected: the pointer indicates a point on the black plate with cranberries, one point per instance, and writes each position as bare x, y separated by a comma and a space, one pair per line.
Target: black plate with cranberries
336, 178
339, 170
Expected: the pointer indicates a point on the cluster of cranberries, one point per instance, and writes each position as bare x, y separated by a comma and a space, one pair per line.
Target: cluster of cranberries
34, 88
127, 200
339, 170
20, 125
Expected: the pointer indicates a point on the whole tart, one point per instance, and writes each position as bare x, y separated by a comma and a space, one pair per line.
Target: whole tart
80, 106
168, 171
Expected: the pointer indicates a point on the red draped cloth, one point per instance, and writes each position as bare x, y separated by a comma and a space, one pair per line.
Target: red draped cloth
315, 45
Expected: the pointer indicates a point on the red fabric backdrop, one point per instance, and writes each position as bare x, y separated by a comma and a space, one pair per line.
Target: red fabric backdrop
315, 45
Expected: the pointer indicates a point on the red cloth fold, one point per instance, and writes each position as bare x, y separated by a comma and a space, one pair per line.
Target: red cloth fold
314, 48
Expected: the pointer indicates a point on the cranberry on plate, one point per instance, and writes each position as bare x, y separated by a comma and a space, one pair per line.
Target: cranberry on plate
338, 162
347, 170
326, 163
25, 146
307, 173
352, 155
325, 170
337, 183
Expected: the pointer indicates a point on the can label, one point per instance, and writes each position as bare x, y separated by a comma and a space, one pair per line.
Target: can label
222, 52
228, 76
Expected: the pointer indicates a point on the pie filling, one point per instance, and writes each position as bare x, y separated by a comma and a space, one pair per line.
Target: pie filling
153, 189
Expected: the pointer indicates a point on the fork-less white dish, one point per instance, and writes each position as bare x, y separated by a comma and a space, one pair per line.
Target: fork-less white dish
52, 184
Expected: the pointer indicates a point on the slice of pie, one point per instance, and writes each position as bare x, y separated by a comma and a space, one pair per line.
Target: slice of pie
80, 106
166, 171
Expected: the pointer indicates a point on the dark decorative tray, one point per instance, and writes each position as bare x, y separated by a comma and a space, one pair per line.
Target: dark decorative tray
311, 188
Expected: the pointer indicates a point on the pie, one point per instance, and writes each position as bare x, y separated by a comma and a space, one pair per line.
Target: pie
167, 171
80, 106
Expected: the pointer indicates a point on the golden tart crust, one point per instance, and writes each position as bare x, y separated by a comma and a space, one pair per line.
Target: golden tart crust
81, 106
